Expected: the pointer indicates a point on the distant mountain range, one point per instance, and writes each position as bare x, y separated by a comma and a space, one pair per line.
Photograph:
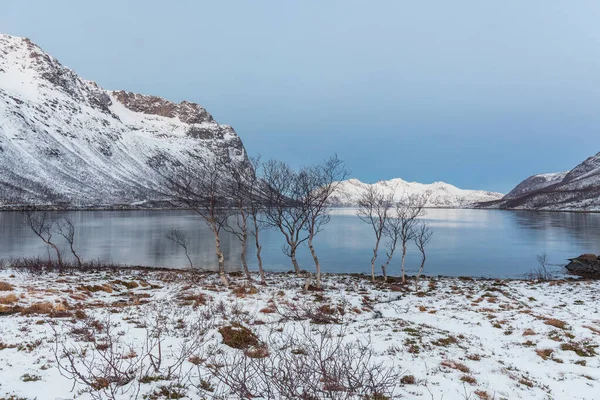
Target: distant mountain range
440, 194
574, 190
66, 141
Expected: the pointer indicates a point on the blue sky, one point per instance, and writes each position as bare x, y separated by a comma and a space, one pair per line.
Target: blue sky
478, 94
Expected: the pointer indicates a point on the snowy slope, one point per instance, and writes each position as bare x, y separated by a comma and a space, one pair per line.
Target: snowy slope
441, 194
575, 190
535, 183
64, 140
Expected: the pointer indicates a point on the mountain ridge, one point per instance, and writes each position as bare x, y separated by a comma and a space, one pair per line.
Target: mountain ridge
575, 190
66, 141
440, 194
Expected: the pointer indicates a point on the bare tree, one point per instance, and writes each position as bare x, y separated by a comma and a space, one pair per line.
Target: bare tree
407, 211
541, 273
374, 208
203, 189
180, 238
422, 238
66, 229
240, 191
256, 206
285, 209
320, 182
42, 224
392, 231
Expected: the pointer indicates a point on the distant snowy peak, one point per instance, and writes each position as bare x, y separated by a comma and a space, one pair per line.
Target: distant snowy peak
440, 194
65, 140
575, 190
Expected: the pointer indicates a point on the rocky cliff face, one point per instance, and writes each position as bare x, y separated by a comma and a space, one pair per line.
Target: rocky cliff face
66, 141
574, 190
440, 194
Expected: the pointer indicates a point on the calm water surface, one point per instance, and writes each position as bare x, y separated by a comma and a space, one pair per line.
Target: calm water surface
465, 242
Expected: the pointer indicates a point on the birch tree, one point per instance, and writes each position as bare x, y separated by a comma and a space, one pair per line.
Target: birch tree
284, 208
374, 209
408, 209
203, 189
320, 182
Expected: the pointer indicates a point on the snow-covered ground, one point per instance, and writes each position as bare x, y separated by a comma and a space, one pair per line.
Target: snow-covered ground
449, 338
440, 194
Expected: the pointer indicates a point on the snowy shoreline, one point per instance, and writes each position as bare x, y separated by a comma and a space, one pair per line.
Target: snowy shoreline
454, 338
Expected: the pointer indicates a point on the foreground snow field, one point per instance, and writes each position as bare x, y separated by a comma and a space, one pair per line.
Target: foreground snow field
171, 334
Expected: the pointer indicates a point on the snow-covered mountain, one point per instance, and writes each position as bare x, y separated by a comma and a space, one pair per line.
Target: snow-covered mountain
348, 193
64, 140
574, 190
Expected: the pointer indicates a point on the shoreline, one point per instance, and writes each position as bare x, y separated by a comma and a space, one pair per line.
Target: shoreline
19, 208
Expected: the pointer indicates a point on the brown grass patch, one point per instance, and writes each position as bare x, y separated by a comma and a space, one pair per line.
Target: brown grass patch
95, 288
5, 287
591, 328
8, 299
582, 349
456, 365
529, 332
38, 308
445, 342
238, 336
408, 380
557, 323
544, 353
468, 379
483, 395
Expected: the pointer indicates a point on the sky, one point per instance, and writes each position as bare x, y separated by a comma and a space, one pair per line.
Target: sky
474, 93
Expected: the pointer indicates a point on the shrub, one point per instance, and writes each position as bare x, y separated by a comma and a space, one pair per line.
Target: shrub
238, 336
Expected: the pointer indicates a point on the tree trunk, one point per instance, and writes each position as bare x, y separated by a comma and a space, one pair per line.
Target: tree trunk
294, 261
375, 249
220, 257
188, 257
76, 257
263, 281
244, 262
316, 259
60, 263
420, 271
387, 263
421, 267
403, 257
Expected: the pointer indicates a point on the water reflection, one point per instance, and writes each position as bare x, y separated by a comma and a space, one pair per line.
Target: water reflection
465, 242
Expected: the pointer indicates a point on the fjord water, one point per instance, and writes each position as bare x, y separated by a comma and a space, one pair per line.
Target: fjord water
486, 243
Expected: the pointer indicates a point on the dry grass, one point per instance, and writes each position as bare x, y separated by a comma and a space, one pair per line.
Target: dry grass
544, 353
95, 288
238, 336
529, 332
468, 379
557, 323
6, 287
8, 299
582, 349
483, 395
456, 365
593, 329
